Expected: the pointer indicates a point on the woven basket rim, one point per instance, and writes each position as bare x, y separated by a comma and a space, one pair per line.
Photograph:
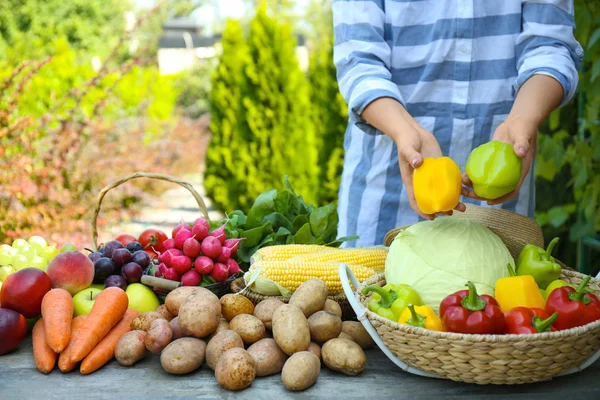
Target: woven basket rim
464, 337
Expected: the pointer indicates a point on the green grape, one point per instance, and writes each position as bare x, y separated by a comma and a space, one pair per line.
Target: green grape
8, 249
5, 257
19, 243
38, 262
28, 251
68, 247
49, 253
5, 272
20, 262
38, 243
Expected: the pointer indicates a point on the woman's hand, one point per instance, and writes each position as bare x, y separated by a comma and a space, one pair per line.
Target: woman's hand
521, 133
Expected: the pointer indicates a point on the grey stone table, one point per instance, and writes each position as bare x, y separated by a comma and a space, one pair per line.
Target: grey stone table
19, 379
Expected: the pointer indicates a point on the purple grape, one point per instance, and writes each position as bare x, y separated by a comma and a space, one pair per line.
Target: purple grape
142, 258
103, 268
95, 256
134, 246
115, 280
110, 247
132, 272
121, 257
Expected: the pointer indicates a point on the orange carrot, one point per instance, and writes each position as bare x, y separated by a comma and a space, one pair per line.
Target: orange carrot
105, 350
57, 312
64, 360
45, 357
107, 311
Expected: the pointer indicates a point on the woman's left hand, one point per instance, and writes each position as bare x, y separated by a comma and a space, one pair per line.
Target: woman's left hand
521, 133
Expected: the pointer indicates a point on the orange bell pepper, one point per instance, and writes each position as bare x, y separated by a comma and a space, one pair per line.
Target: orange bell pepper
437, 185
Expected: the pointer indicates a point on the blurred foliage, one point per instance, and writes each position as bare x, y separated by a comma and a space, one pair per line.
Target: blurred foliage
568, 161
194, 88
261, 122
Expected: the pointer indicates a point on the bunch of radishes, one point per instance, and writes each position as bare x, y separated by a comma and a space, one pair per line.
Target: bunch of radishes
195, 251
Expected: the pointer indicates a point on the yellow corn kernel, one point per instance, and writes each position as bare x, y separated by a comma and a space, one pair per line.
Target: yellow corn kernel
371, 257
285, 252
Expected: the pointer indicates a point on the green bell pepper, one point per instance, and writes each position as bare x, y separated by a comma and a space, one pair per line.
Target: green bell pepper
494, 169
560, 283
389, 301
539, 263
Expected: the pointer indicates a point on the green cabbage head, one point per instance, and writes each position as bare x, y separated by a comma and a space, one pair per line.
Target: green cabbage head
438, 257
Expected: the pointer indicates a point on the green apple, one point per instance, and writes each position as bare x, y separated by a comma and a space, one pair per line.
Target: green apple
84, 300
19, 243
99, 286
141, 298
68, 247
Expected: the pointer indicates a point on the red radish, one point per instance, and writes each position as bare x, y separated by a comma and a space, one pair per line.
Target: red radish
225, 255
158, 274
211, 247
181, 264
220, 272
234, 267
181, 237
219, 233
168, 255
190, 278
182, 225
172, 275
204, 265
233, 244
169, 244
200, 228
191, 248
162, 268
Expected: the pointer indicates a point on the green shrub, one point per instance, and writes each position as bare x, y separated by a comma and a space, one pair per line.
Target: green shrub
261, 122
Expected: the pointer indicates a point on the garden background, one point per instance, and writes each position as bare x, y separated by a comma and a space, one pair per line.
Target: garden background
85, 100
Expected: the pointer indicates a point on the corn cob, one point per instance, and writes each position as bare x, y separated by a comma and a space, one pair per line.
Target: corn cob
285, 251
372, 257
291, 274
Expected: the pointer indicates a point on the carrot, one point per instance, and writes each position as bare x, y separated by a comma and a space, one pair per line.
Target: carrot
45, 357
57, 312
105, 350
64, 360
107, 311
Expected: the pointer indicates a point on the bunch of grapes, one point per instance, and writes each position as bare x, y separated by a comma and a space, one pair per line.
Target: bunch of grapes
34, 252
194, 253
118, 265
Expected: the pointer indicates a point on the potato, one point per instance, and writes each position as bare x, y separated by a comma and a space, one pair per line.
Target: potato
183, 356
200, 313
142, 322
223, 326
268, 357
301, 371
158, 336
310, 297
131, 348
164, 311
219, 344
359, 334
290, 329
324, 326
265, 309
344, 356
235, 369
315, 349
346, 336
175, 298
235, 304
176, 329
333, 307
250, 328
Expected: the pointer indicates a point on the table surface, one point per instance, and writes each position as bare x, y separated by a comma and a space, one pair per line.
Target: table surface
19, 379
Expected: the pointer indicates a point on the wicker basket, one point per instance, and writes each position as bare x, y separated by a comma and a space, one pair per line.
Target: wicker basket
160, 286
481, 359
239, 285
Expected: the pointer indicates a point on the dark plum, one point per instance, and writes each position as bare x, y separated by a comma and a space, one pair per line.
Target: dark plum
134, 246
121, 257
95, 256
116, 280
110, 247
103, 268
132, 272
141, 258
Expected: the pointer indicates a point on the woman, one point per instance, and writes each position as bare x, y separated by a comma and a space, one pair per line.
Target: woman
432, 78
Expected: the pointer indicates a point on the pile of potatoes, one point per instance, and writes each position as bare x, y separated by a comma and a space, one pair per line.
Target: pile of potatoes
241, 342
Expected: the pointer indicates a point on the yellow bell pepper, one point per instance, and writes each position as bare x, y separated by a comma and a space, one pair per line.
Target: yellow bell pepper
422, 317
518, 291
437, 185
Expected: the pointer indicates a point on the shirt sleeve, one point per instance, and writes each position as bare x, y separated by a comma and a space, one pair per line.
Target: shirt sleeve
362, 56
547, 45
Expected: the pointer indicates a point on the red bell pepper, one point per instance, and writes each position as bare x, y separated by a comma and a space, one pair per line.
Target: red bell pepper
466, 312
529, 320
575, 307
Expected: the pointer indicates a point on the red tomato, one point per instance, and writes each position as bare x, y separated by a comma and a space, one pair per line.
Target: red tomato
125, 239
152, 241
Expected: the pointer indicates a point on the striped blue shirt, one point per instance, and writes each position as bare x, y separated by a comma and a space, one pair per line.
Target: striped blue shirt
456, 66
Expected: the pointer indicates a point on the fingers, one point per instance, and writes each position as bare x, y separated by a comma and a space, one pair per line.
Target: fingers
411, 156
460, 207
521, 146
467, 181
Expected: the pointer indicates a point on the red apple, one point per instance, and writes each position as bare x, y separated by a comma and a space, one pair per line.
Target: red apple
13, 328
24, 290
71, 271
